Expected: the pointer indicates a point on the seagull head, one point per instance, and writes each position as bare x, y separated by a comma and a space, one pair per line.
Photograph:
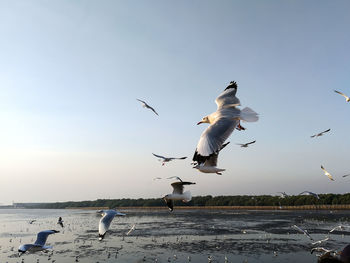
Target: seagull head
204, 120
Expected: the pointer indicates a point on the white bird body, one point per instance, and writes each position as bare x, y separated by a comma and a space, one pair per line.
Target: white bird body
186, 196
39, 244
327, 174
105, 221
208, 169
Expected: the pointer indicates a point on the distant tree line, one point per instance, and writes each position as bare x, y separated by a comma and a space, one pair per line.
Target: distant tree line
237, 200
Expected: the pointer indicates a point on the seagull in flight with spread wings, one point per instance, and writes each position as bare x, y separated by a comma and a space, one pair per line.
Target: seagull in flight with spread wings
178, 194
167, 159
245, 145
341, 93
320, 134
327, 173
145, 105
310, 193
222, 123
39, 244
105, 221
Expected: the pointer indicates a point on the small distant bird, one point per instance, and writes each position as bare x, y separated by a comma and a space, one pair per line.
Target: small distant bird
327, 173
145, 105
346, 97
222, 123
210, 164
105, 221
245, 145
178, 194
39, 244
320, 241
131, 229
340, 228
321, 249
167, 159
302, 231
310, 193
157, 178
283, 194
60, 221
346, 175
31, 221
320, 134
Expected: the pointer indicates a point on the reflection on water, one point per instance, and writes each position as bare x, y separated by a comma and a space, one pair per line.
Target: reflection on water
181, 236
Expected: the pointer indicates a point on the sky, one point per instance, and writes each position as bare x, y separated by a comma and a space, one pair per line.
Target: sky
70, 73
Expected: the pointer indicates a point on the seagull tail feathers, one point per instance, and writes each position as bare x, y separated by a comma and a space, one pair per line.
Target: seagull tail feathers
187, 196
248, 115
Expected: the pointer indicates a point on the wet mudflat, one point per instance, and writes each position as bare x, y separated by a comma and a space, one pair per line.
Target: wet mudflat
182, 236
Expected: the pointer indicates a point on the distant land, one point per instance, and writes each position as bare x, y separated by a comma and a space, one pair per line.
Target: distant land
326, 201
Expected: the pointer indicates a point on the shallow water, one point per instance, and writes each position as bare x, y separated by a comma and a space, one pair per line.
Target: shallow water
161, 236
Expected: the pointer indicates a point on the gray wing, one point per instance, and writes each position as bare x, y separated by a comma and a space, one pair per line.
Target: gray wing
42, 237
159, 156
228, 97
149, 107
142, 101
105, 221
212, 139
178, 188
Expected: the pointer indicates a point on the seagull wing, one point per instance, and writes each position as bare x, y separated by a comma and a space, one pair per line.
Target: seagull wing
341, 93
180, 158
228, 97
327, 173
178, 188
250, 142
213, 138
142, 101
326, 131
42, 237
169, 203
159, 156
149, 107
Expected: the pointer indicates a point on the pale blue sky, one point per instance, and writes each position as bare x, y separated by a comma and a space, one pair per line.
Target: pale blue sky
70, 73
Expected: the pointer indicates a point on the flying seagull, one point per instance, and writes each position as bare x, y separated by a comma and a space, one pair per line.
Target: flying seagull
167, 159
39, 244
178, 194
245, 145
222, 124
346, 97
31, 221
145, 105
60, 221
310, 193
320, 134
302, 231
327, 173
340, 228
283, 194
131, 229
105, 221
323, 250
210, 165
320, 241
346, 175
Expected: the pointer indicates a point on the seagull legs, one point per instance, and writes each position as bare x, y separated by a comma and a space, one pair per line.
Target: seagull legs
240, 127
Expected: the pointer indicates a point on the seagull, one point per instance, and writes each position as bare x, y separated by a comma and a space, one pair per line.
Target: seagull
60, 221
167, 159
323, 250
302, 231
340, 228
39, 244
346, 175
283, 194
222, 124
320, 241
320, 134
145, 105
131, 229
178, 194
245, 145
310, 193
105, 221
31, 221
210, 165
327, 173
346, 97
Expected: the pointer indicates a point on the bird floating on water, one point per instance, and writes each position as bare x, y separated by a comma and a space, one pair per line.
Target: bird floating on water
145, 105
